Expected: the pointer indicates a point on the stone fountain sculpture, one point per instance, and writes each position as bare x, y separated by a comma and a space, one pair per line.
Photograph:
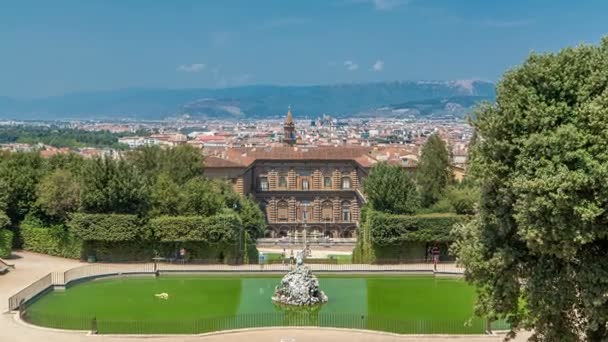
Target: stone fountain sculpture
299, 287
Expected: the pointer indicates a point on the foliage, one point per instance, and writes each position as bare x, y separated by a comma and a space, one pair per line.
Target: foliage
107, 227
165, 197
58, 194
19, 176
180, 163
110, 186
463, 199
389, 188
221, 228
540, 237
59, 137
203, 197
53, 240
254, 220
6, 243
387, 236
388, 229
433, 174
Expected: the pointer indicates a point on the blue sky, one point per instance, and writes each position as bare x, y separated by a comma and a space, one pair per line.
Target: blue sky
57, 47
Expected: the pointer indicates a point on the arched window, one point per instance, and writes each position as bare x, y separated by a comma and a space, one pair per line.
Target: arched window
282, 211
327, 182
346, 211
345, 182
282, 182
327, 210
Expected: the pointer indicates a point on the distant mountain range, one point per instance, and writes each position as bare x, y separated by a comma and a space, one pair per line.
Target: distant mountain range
409, 98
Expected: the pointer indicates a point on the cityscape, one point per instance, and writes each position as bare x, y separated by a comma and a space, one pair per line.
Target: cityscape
340, 170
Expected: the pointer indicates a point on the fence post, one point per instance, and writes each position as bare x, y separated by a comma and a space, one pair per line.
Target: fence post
94, 326
488, 326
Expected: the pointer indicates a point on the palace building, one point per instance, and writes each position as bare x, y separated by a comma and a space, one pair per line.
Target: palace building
313, 188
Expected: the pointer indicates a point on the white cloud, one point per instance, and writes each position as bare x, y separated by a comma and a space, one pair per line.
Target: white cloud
378, 66
197, 67
351, 66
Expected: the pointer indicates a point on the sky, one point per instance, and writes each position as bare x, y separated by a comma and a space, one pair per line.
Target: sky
56, 47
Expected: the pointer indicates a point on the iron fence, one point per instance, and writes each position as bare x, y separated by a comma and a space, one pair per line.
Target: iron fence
108, 325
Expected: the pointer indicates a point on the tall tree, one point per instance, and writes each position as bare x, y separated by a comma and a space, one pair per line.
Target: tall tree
538, 250
389, 188
433, 174
113, 186
58, 194
19, 176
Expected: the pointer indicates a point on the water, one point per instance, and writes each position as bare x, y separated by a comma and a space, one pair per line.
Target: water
406, 304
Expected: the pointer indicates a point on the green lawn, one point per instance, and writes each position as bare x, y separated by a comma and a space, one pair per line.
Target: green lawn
208, 303
342, 259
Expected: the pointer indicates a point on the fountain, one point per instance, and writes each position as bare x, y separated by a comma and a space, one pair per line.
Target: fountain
299, 287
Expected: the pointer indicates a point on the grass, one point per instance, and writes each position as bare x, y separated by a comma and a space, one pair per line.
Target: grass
342, 259
199, 304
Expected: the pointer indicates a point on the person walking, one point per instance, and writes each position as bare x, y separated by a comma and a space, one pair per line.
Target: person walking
435, 253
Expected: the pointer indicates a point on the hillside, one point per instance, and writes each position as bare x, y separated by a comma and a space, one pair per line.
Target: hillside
258, 101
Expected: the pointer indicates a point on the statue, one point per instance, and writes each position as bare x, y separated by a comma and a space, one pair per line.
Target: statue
299, 286
300, 258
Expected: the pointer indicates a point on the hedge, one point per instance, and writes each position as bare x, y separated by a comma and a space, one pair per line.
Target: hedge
388, 229
220, 228
54, 240
107, 227
392, 237
6, 243
220, 237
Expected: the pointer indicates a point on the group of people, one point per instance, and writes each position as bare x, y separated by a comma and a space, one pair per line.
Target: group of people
307, 253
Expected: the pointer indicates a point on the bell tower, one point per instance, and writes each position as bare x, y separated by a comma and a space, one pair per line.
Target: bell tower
289, 129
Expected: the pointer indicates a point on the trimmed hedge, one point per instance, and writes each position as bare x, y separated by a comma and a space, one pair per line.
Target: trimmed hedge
391, 237
388, 229
6, 243
220, 237
107, 227
217, 229
54, 240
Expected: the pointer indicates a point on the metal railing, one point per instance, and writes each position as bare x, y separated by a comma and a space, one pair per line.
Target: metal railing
62, 279
104, 325
34, 289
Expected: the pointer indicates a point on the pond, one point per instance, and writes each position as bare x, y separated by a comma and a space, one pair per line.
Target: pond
197, 304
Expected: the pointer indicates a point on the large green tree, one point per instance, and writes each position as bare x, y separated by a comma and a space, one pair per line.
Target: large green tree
433, 174
538, 250
58, 194
390, 189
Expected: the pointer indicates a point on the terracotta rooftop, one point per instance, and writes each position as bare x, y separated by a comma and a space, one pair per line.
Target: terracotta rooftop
239, 156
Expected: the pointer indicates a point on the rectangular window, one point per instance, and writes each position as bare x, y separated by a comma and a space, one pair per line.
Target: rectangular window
327, 182
282, 182
304, 184
264, 184
345, 183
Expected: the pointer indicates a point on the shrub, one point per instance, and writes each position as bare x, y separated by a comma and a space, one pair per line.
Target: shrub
54, 240
220, 228
107, 227
6, 243
387, 229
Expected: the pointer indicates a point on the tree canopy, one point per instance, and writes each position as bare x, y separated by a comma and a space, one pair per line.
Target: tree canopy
433, 174
390, 189
538, 250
